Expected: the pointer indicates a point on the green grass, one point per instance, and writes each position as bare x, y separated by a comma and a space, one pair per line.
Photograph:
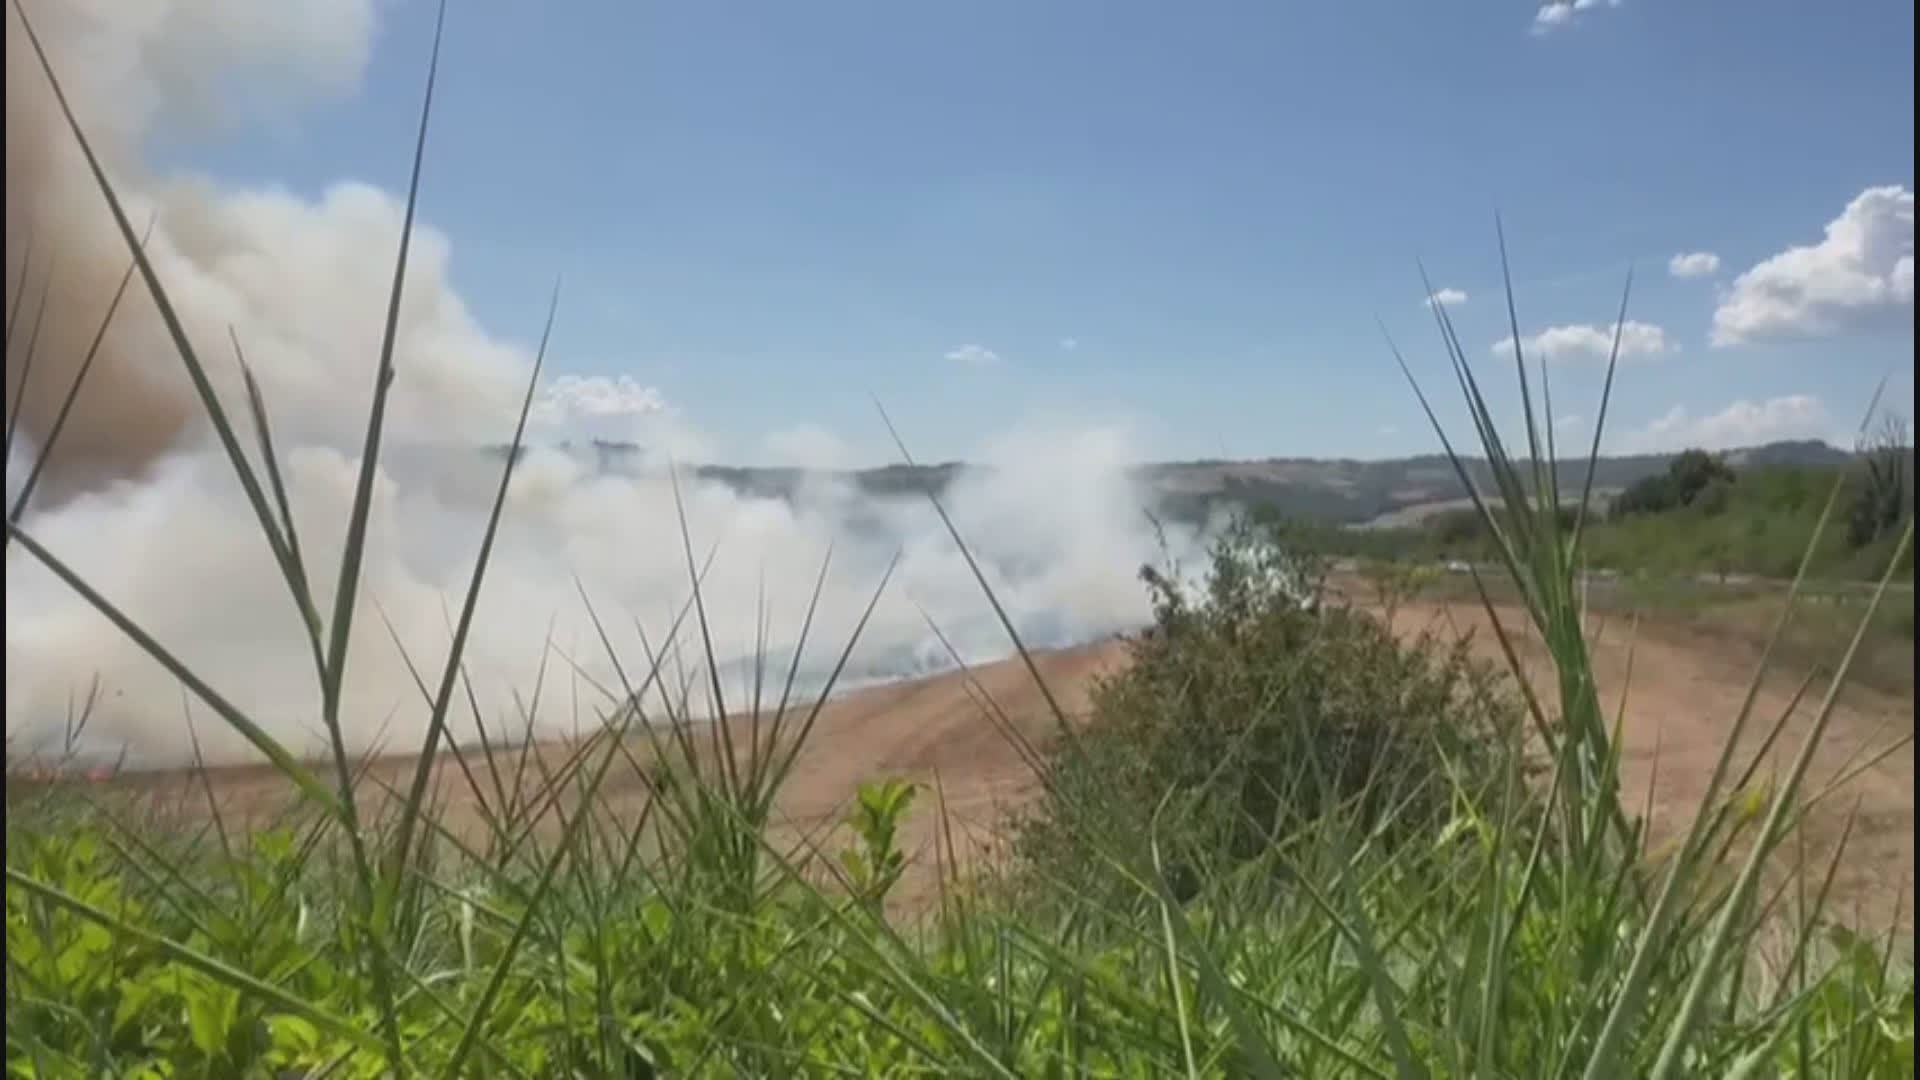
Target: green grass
1518, 932
1739, 617
1759, 525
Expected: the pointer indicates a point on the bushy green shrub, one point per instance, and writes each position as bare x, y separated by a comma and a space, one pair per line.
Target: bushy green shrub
1690, 475
1253, 709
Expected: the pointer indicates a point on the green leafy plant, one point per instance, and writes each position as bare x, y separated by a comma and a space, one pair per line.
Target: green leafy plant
877, 862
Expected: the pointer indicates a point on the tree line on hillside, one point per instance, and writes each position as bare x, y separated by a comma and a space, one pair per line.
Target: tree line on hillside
1704, 513
1879, 495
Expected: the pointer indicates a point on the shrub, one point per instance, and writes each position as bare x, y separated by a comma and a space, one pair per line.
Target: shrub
1252, 710
1651, 495
1884, 495
1688, 476
1458, 526
1714, 499
1694, 471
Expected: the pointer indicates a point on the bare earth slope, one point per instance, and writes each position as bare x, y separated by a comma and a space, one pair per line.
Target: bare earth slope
1685, 690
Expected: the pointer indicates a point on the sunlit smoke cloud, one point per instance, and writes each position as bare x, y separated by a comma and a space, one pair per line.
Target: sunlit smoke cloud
1059, 538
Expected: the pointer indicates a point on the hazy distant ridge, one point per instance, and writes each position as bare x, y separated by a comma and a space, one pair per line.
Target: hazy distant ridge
1337, 490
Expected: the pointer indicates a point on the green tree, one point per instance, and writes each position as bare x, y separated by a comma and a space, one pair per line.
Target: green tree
1688, 476
1693, 472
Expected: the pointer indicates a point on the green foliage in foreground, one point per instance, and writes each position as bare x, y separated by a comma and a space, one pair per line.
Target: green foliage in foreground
252, 970
1522, 931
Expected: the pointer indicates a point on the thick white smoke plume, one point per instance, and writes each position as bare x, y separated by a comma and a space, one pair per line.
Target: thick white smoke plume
138, 501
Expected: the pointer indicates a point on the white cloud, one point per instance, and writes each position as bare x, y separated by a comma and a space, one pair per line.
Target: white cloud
1694, 264
1588, 341
974, 355
1387, 429
1568, 422
1860, 276
1743, 423
596, 397
1551, 17
1560, 13
1448, 297
1069, 344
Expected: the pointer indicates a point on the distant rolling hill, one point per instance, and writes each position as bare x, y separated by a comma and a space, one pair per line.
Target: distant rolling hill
1335, 491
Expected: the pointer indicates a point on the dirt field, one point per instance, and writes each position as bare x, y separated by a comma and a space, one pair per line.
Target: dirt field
1685, 690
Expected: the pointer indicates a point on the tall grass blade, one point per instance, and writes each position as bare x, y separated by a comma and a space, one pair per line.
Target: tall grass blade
354, 553
1682, 1030
285, 762
1600, 422
1000, 612
20, 291
456, 652
26, 363
44, 452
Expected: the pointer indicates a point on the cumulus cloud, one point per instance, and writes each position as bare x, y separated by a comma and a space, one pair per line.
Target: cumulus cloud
1694, 264
1859, 277
597, 397
1448, 297
973, 355
1552, 16
1742, 423
1585, 341
1069, 344
574, 408
1562, 13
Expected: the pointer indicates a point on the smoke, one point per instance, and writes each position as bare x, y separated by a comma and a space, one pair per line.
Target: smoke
301, 284
138, 501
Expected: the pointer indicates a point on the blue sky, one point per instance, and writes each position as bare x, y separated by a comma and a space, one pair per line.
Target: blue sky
1189, 219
